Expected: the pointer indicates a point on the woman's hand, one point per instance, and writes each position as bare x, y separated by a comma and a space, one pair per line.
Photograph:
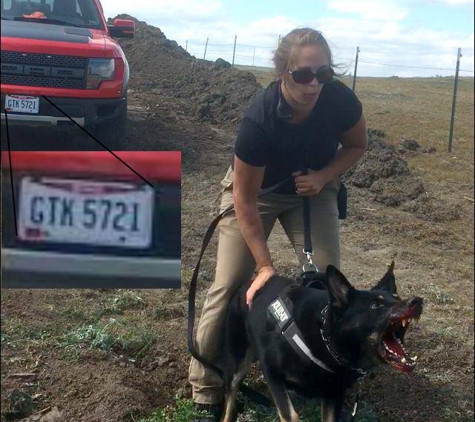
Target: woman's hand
311, 183
263, 275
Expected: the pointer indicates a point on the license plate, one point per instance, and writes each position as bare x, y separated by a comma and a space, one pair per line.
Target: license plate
22, 104
85, 212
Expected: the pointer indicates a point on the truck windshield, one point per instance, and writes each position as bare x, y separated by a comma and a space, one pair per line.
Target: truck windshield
83, 13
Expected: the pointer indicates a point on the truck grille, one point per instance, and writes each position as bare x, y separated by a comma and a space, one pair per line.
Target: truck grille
53, 71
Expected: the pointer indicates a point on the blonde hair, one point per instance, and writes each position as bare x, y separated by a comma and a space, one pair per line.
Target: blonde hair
299, 37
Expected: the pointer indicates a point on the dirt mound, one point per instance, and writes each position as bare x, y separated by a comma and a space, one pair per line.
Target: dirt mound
212, 91
384, 173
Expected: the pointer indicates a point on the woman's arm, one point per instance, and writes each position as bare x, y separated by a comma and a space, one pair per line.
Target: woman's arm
353, 145
247, 183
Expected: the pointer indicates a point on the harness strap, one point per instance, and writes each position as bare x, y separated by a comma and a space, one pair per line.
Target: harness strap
326, 337
281, 310
291, 332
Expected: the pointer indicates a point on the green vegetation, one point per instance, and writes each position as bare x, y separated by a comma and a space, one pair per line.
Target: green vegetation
115, 336
126, 299
309, 411
20, 402
436, 295
182, 411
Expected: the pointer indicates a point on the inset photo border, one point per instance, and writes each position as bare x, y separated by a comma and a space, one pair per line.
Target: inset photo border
91, 219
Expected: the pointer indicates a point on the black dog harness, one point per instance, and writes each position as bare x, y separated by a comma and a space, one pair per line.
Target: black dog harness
280, 310
288, 328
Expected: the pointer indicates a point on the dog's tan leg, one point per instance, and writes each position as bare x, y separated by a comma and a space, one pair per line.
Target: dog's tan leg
328, 411
243, 370
294, 417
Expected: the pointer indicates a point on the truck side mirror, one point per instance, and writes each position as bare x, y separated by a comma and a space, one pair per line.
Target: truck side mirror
122, 28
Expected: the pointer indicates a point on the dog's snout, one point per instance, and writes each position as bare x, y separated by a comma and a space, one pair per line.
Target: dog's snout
415, 305
409, 308
415, 302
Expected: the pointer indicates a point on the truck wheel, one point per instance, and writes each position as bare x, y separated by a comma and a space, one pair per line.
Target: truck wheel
113, 133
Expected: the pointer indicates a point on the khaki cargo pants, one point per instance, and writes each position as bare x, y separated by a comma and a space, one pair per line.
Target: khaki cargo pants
235, 266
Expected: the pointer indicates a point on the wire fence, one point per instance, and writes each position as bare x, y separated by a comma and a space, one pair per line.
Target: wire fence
450, 67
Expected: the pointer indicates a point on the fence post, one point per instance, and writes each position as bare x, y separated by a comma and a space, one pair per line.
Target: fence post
278, 42
234, 50
356, 67
206, 47
253, 56
452, 117
186, 45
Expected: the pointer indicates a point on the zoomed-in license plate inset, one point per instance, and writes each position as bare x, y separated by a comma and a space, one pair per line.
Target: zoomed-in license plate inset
22, 104
85, 212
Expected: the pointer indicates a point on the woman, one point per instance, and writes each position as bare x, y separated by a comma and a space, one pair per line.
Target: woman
304, 121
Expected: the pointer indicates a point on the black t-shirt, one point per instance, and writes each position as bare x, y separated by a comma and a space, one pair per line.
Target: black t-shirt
266, 138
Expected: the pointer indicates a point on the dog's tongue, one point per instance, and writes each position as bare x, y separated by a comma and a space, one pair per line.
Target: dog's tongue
394, 345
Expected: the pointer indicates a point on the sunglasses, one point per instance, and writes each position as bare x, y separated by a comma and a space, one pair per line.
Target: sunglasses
305, 75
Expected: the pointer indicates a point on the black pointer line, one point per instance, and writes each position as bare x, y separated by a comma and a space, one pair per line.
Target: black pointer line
99, 142
11, 173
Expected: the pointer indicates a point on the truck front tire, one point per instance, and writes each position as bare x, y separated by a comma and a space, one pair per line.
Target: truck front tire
113, 133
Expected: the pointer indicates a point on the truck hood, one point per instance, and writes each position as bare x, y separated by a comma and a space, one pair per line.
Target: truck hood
154, 166
41, 31
82, 41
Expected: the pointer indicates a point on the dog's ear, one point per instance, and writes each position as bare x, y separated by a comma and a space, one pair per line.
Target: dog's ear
388, 282
338, 286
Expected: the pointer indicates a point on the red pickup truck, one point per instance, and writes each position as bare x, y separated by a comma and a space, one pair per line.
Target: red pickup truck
63, 51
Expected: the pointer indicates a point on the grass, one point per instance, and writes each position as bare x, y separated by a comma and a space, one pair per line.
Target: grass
94, 336
122, 301
182, 411
116, 336
17, 331
126, 299
309, 411
436, 295
86, 321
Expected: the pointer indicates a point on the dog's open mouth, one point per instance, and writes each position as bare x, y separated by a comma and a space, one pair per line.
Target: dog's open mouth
392, 348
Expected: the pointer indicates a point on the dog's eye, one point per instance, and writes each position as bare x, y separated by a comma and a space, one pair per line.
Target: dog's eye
376, 305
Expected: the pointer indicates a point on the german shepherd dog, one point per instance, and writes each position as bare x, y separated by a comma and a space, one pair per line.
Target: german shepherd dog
342, 333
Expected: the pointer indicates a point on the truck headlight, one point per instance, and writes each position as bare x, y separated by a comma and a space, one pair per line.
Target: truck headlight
99, 70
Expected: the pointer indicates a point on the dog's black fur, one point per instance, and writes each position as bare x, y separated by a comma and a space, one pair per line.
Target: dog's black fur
356, 321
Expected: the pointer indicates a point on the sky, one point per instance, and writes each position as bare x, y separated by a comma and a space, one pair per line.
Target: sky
404, 38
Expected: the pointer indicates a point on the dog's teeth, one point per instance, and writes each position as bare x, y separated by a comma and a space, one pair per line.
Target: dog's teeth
409, 320
414, 358
403, 323
403, 360
388, 349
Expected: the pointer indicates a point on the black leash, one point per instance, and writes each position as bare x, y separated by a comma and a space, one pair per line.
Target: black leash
309, 267
307, 249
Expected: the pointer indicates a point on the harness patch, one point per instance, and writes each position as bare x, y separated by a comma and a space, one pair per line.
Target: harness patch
277, 309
